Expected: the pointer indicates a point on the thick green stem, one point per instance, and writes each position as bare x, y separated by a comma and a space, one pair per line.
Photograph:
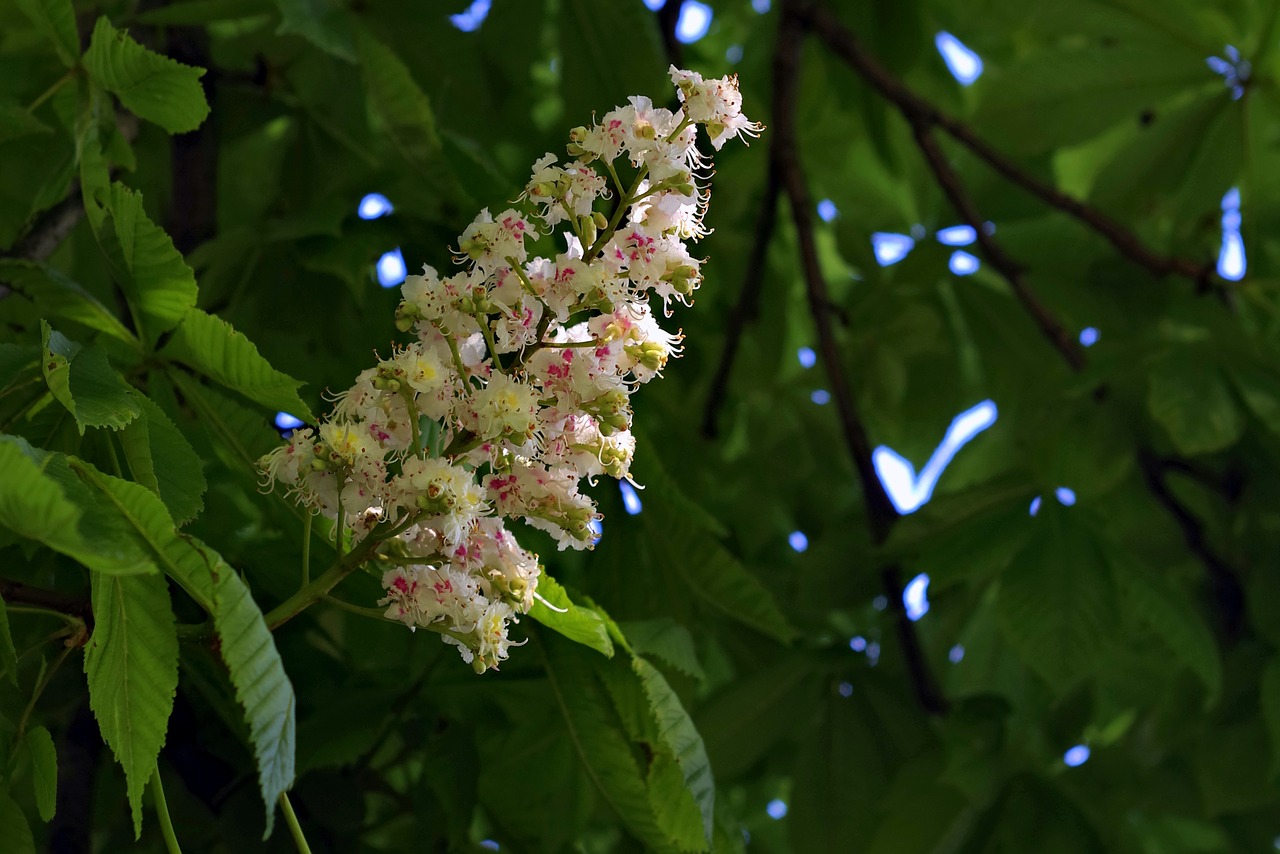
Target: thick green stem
162, 813
299, 839
308, 594
624, 204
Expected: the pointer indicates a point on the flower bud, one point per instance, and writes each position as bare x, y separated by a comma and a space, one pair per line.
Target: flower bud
599, 219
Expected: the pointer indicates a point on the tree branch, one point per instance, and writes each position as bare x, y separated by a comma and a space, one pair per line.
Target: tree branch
921, 113
881, 514
1228, 596
747, 308
1050, 326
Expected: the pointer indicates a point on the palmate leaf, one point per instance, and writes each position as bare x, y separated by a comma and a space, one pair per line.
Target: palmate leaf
161, 459
131, 662
1190, 398
665, 639
157, 282
324, 23
156, 88
56, 20
245, 644
214, 348
84, 382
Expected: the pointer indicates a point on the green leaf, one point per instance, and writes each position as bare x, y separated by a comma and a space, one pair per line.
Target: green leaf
245, 644
576, 622
1055, 603
8, 654
1270, 703
1171, 615
324, 23
161, 459
210, 345
56, 20
673, 807
601, 746
56, 295
714, 574
44, 770
131, 662
398, 103
156, 88
157, 282
680, 736
84, 382
16, 122
665, 639
1259, 387
42, 499
262, 686
1190, 398
15, 833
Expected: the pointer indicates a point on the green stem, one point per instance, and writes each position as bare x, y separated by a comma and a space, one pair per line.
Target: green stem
557, 345
52, 90
414, 417
624, 204
39, 689
71, 620
299, 839
373, 613
485, 330
306, 548
308, 594
162, 813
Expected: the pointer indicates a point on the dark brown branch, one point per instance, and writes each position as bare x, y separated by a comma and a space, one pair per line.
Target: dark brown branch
668, 18
881, 514
747, 308
1228, 596
17, 593
922, 113
1048, 323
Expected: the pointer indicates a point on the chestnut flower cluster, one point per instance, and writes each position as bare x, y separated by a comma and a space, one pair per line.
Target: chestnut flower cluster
525, 363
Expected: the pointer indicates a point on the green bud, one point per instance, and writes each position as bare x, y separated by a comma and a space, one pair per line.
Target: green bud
588, 227
599, 219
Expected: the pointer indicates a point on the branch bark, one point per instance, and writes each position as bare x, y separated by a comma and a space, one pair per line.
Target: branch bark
881, 514
922, 113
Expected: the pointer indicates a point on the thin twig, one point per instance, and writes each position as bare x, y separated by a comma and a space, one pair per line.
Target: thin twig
1228, 595
881, 514
1050, 326
920, 112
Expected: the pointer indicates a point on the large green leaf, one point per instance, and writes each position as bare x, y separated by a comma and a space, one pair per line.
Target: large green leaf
15, 833
1190, 398
131, 662
161, 459
1171, 615
245, 644
157, 88
84, 382
576, 622
325, 23
1056, 604
665, 639
601, 745
678, 734
399, 104
157, 282
44, 770
56, 20
212, 346
42, 499
58, 296
714, 574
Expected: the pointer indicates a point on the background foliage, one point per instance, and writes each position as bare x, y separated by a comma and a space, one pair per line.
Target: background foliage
184, 259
